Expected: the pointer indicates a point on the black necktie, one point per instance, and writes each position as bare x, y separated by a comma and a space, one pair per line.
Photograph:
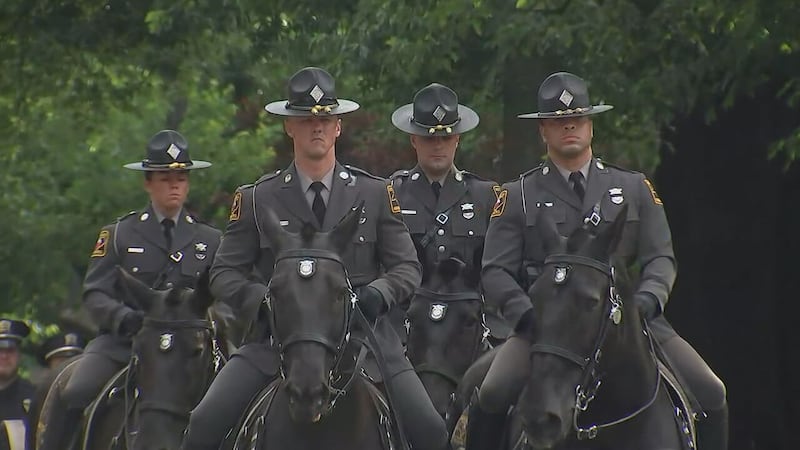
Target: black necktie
318, 206
436, 188
168, 225
577, 183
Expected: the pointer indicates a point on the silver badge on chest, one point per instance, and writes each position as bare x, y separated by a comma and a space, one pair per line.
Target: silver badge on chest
200, 249
165, 342
468, 210
437, 312
306, 268
616, 195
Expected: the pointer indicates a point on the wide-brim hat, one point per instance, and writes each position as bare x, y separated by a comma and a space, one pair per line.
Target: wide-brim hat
563, 94
12, 332
167, 150
311, 92
435, 111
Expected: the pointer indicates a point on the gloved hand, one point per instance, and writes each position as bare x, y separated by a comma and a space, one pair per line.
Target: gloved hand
131, 323
647, 304
371, 302
526, 323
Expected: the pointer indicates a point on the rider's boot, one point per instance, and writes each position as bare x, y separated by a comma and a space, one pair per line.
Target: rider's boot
61, 429
712, 431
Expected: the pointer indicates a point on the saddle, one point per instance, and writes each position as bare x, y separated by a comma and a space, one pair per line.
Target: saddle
247, 432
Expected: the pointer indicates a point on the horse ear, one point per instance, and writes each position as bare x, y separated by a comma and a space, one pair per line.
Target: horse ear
136, 291
552, 241
610, 236
342, 234
202, 298
276, 235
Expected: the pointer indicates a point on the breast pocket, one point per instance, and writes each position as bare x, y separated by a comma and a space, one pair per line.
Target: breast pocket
536, 213
630, 236
141, 261
468, 235
360, 258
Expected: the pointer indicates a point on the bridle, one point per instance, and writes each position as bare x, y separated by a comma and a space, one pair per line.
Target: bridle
306, 265
591, 379
167, 328
442, 301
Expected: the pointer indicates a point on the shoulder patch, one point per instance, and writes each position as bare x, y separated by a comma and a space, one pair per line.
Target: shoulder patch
101, 246
363, 172
500, 204
656, 198
236, 207
393, 203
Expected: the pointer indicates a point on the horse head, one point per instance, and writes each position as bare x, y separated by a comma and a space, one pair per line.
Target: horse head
446, 330
575, 307
310, 303
175, 356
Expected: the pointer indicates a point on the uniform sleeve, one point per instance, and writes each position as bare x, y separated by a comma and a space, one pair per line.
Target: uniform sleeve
236, 257
655, 255
99, 293
503, 256
396, 253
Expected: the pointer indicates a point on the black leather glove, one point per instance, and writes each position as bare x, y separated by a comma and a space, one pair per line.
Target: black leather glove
526, 323
131, 323
371, 302
648, 305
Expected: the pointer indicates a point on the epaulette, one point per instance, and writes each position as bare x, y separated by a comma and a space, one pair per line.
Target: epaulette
535, 169
129, 214
400, 173
600, 164
467, 173
363, 172
265, 177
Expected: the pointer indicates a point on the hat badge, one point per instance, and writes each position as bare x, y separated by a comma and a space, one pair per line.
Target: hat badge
306, 268
439, 113
437, 311
566, 97
5, 326
173, 151
71, 339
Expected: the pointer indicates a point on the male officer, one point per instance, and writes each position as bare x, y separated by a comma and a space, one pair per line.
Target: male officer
15, 392
60, 347
162, 245
568, 185
446, 209
315, 189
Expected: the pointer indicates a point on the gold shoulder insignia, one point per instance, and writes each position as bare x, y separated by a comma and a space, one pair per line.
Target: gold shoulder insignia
101, 245
656, 198
236, 207
497, 190
500, 204
393, 199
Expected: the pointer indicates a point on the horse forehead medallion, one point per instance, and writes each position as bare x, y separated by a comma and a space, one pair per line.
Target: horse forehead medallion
437, 311
560, 275
306, 268
165, 342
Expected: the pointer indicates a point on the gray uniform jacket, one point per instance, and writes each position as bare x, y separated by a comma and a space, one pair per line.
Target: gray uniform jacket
136, 243
381, 255
454, 225
514, 253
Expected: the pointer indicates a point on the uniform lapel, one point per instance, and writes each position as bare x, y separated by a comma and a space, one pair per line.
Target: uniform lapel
185, 231
343, 196
552, 180
150, 229
452, 191
290, 194
597, 185
421, 189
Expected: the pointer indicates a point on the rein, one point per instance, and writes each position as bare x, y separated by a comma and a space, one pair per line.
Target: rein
591, 380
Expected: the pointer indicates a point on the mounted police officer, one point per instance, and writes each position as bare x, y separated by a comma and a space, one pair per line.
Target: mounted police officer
569, 185
162, 245
15, 392
317, 190
446, 209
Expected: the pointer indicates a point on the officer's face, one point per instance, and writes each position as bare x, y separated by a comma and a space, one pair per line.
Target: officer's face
168, 190
435, 154
569, 137
9, 360
314, 136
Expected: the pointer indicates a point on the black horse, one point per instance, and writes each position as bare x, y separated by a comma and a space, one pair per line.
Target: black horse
446, 331
321, 400
175, 357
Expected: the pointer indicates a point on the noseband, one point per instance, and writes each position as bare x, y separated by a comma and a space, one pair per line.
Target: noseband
590, 380
307, 266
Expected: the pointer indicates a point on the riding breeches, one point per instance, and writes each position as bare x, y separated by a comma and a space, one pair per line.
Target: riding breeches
505, 379
92, 371
240, 380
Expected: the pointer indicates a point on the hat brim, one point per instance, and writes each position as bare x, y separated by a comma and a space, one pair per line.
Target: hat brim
596, 109
401, 119
196, 164
279, 109
69, 350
